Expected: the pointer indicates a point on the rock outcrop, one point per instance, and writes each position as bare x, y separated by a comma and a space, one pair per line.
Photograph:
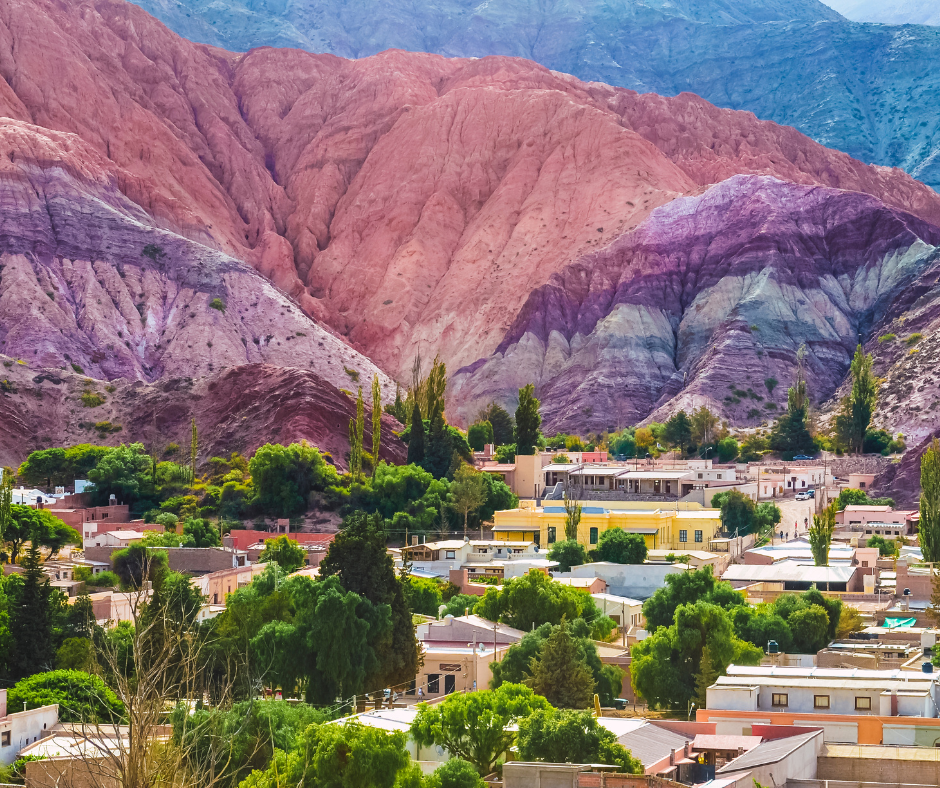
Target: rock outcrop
706, 303
865, 89
238, 409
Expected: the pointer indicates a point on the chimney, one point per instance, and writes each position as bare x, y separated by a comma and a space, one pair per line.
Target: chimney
414, 541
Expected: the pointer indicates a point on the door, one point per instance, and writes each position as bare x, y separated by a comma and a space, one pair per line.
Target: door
450, 683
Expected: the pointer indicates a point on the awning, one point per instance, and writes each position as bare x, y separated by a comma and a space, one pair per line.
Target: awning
899, 623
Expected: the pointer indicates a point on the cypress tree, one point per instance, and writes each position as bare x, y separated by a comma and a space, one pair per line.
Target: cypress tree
193, 450
416, 441
560, 672
528, 421
440, 450
376, 422
930, 502
31, 621
706, 676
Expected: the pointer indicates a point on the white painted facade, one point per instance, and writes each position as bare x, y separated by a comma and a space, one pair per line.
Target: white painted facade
22, 728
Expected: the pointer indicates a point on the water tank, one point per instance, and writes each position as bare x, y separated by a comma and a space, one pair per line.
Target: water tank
927, 667
772, 647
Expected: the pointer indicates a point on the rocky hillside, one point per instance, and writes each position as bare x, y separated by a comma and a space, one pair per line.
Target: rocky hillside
175, 211
707, 301
891, 12
862, 88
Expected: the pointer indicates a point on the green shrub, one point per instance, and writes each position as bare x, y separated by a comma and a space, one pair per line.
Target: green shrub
91, 399
887, 338
913, 339
217, 303
107, 428
77, 368
353, 374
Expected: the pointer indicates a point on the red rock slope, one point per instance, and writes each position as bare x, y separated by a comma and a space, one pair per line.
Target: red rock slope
412, 202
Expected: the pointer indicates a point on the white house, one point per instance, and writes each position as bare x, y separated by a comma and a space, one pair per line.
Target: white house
22, 728
478, 557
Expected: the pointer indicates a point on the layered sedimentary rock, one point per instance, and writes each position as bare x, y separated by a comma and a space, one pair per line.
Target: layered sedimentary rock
705, 302
866, 89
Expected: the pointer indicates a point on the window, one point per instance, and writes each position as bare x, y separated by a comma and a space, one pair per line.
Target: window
434, 684
698, 536
779, 699
863, 704
450, 554
593, 536
551, 534
820, 701
5, 739
700, 476
683, 536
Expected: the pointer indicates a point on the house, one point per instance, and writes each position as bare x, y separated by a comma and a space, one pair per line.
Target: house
76, 516
477, 556
851, 705
216, 586
243, 539
796, 576
189, 560
93, 532
625, 611
663, 752
119, 539
453, 667
877, 520
675, 527
523, 475
19, 729
467, 629
775, 760
633, 581
775, 481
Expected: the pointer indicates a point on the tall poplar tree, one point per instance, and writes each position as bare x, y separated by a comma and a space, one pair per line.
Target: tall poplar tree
30, 620
820, 534
193, 451
416, 441
930, 502
857, 408
356, 430
528, 420
376, 422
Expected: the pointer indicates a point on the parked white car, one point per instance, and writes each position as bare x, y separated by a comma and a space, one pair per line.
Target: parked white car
803, 496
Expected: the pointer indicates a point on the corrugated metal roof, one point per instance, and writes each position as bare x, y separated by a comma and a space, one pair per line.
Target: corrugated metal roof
788, 571
768, 752
651, 743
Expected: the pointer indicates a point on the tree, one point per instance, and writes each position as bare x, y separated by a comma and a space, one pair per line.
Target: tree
703, 424
810, 629
678, 431
707, 675
760, 625
664, 666
193, 451
559, 736
501, 422
820, 534
376, 422
416, 441
528, 421
850, 621
440, 448
738, 511
499, 497
285, 552
358, 557
424, 595
455, 773
572, 515
284, 477
727, 449
930, 502
76, 654
137, 564
31, 621
766, 516
238, 740
516, 665
791, 434
619, 547
44, 467
356, 427
559, 672
886, 547
81, 697
535, 599
38, 525
476, 726
568, 553
467, 493
480, 434
857, 408
333, 645
123, 472
6, 504
685, 588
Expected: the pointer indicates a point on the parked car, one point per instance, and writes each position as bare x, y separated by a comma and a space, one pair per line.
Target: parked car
803, 496
802, 457
811, 493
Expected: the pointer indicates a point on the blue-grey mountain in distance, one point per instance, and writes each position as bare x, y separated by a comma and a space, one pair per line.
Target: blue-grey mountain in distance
867, 89
891, 12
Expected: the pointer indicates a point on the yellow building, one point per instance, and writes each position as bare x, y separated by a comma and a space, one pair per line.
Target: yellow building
686, 527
